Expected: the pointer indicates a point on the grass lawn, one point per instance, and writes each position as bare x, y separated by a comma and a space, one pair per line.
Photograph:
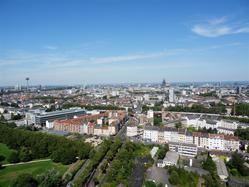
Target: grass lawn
9, 173
5, 151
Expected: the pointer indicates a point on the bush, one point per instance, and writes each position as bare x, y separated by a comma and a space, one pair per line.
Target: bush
26, 180
14, 157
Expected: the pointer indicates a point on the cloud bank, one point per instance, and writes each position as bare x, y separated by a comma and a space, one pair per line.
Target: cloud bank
219, 27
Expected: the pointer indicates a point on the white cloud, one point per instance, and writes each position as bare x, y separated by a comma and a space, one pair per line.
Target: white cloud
51, 47
112, 59
218, 27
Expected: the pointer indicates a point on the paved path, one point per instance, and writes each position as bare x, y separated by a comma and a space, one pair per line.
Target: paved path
20, 163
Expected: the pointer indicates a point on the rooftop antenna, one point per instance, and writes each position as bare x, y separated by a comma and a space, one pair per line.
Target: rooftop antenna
27, 79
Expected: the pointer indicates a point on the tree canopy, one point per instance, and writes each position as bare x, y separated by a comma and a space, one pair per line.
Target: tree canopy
35, 145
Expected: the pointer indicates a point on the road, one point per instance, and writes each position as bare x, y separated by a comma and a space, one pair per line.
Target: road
20, 163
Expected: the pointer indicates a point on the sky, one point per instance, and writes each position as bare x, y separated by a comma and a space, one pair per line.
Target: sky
68, 42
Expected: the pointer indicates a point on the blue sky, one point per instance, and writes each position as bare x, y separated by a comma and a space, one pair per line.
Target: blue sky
113, 41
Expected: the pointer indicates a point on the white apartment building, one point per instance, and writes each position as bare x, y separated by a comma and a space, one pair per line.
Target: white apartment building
151, 134
222, 130
183, 149
216, 141
200, 140
150, 114
131, 131
223, 126
231, 143
227, 124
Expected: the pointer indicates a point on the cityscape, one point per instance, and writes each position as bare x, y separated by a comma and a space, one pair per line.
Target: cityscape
124, 93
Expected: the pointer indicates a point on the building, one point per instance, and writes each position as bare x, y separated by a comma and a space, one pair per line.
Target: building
98, 124
153, 151
231, 143
183, 149
216, 141
221, 169
222, 130
150, 114
151, 134
208, 141
131, 131
171, 95
170, 159
41, 118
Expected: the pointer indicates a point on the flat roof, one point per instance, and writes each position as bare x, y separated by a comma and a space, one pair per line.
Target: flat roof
60, 112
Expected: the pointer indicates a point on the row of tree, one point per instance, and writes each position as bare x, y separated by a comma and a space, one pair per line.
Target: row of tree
96, 157
197, 108
121, 167
242, 109
50, 178
180, 177
236, 165
211, 180
243, 134
35, 145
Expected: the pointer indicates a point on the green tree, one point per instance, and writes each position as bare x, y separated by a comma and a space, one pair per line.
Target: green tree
162, 151
25, 154
209, 164
2, 158
149, 184
13, 157
237, 162
178, 125
174, 178
26, 180
157, 120
242, 133
51, 178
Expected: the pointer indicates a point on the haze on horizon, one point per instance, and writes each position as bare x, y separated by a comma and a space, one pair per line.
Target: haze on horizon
74, 42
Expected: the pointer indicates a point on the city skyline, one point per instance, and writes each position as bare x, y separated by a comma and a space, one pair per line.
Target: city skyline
62, 43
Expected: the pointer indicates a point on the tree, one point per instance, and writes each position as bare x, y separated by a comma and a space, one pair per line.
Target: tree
174, 177
84, 152
64, 155
178, 125
157, 120
247, 150
14, 157
51, 178
237, 162
242, 133
25, 154
42, 145
149, 184
2, 118
2, 158
162, 151
26, 180
209, 164
210, 181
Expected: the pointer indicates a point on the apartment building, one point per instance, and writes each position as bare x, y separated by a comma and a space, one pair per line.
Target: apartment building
216, 141
98, 124
200, 140
183, 149
131, 131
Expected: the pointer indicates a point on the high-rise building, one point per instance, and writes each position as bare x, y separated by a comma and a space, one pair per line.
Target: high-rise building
238, 90
163, 83
171, 95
